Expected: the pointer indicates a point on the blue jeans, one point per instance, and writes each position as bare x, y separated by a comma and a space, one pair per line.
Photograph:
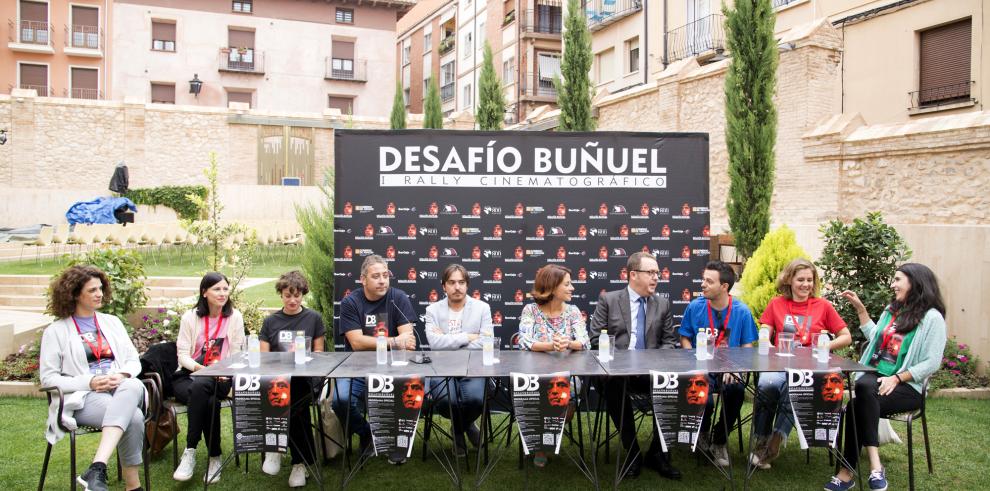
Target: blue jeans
470, 391
733, 395
773, 402
357, 387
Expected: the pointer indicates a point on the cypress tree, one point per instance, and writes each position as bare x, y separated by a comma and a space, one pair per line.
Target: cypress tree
433, 115
491, 99
574, 91
750, 120
398, 118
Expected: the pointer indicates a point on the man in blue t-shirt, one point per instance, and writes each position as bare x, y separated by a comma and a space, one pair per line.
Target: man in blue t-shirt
728, 322
375, 309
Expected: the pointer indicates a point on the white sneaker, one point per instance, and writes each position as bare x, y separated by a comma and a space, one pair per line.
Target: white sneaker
721, 455
273, 463
213, 471
297, 478
187, 465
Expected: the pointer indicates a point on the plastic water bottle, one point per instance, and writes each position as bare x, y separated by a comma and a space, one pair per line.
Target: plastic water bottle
381, 348
488, 351
823, 347
701, 345
300, 347
254, 351
763, 345
604, 346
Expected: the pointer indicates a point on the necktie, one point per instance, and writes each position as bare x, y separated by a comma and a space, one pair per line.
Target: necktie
641, 324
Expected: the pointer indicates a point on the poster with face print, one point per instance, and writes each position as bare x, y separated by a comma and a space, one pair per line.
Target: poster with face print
261, 413
541, 403
394, 404
679, 400
816, 399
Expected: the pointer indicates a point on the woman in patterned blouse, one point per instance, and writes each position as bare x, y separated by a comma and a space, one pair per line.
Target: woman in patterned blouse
551, 324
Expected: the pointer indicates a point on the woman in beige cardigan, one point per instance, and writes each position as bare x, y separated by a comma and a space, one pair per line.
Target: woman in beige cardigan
208, 333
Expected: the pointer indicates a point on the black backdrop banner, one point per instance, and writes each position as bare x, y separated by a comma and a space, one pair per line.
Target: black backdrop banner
505, 203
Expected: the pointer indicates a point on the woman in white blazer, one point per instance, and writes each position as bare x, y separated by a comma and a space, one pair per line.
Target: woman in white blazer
90, 358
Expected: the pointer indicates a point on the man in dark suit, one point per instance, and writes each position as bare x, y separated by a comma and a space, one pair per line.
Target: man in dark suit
639, 319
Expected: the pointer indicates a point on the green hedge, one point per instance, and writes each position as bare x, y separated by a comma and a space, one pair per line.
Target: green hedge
174, 197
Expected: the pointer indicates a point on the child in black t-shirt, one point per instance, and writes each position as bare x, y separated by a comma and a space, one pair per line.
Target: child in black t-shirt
278, 334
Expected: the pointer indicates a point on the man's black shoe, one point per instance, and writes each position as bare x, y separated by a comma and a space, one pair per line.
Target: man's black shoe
660, 463
635, 467
367, 445
95, 478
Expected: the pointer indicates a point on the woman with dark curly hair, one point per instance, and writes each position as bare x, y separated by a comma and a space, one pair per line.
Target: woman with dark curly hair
208, 333
90, 357
906, 347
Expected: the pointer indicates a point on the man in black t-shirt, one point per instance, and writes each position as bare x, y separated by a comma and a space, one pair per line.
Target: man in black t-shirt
278, 333
375, 309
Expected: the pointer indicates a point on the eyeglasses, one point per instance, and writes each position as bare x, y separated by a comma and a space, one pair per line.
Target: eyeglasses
653, 273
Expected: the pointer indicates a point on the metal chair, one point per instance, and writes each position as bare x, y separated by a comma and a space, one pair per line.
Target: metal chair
908, 418
55, 392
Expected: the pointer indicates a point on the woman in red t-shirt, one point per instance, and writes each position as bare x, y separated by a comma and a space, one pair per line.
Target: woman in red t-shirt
797, 309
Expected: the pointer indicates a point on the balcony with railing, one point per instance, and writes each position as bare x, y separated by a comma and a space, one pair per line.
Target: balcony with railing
601, 13
782, 3
42, 90
80, 93
447, 44
345, 69
239, 60
937, 97
537, 87
83, 40
702, 37
546, 20
30, 36
448, 91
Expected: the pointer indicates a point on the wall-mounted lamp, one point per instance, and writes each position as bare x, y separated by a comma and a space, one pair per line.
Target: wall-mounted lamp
3, 137
195, 85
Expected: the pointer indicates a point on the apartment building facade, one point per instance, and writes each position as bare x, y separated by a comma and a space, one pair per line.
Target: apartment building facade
446, 39
56, 47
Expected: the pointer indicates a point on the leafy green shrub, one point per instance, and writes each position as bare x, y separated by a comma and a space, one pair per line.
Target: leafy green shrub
759, 279
126, 273
253, 316
316, 221
861, 256
959, 368
174, 197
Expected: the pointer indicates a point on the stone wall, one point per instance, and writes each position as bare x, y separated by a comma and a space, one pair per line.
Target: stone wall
70, 143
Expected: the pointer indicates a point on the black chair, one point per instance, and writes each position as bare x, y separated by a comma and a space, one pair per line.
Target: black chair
908, 418
54, 393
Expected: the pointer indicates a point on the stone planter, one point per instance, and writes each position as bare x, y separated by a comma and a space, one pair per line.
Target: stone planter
963, 393
20, 389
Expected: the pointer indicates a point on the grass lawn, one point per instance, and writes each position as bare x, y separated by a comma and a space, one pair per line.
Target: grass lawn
264, 292
270, 261
958, 431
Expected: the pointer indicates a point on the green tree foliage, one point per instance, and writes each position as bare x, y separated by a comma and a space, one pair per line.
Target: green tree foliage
574, 91
433, 114
491, 98
398, 119
126, 273
216, 234
759, 279
316, 221
750, 119
860, 256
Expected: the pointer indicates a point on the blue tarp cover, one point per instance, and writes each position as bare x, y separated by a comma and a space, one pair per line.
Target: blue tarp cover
99, 210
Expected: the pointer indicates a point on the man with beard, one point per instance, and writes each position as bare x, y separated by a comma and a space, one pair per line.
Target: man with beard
413, 393
639, 319
361, 313
559, 391
458, 322
728, 323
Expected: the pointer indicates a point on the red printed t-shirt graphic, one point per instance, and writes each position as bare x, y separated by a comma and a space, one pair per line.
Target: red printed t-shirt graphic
98, 352
212, 344
823, 317
890, 347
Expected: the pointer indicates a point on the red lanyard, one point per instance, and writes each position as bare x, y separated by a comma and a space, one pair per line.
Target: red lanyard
725, 322
805, 326
889, 331
206, 330
98, 349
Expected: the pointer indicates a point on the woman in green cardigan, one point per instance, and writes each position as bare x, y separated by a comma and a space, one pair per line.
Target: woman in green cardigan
906, 348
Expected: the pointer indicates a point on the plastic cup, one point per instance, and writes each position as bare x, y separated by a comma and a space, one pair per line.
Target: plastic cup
400, 355
496, 348
785, 344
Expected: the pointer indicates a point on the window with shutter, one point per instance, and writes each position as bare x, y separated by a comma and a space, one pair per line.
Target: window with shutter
344, 104
85, 83
163, 93
944, 64
34, 77
162, 35
244, 97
